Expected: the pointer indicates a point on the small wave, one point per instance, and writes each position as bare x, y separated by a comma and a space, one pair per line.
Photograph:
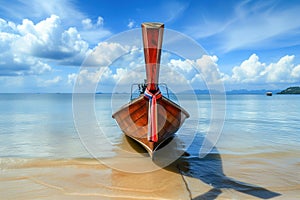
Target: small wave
17, 163
271, 154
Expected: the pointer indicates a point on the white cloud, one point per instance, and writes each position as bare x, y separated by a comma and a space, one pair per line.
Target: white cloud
87, 79
93, 32
205, 70
254, 71
100, 21
131, 23
280, 71
296, 72
6, 39
175, 80
37, 10
38, 67
47, 36
55, 80
110, 64
18, 65
97, 64
178, 73
68, 13
72, 78
249, 71
181, 65
49, 82
7, 26
48, 39
209, 69
25, 47
105, 53
87, 23
129, 76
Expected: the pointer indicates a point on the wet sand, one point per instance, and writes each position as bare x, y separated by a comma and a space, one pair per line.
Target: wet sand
88, 179
261, 176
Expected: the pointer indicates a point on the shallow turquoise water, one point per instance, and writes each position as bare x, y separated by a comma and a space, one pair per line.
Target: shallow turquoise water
42, 125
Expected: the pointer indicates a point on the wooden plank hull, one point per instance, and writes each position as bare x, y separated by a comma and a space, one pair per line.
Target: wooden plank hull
132, 118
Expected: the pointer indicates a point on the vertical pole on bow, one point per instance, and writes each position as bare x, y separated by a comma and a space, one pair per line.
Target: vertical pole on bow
152, 41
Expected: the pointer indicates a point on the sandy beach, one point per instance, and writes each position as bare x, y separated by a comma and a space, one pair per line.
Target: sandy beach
213, 177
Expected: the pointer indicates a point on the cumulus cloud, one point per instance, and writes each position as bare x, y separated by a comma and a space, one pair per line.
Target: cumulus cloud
280, 71
181, 65
296, 72
204, 72
110, 64
36, 10
18, 65
25, 47
204, 69
48, 39
209, 69
105, 53
249, 71
87, 76
175, 80
254, 71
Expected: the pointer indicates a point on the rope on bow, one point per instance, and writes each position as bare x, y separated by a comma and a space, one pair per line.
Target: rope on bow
152, 114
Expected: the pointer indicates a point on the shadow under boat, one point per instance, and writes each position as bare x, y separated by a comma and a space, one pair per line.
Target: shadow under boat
208, 170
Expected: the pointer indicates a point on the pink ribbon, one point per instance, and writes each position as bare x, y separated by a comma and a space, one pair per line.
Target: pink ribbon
152, 114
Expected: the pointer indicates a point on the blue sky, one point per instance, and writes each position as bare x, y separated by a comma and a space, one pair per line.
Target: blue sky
253, 44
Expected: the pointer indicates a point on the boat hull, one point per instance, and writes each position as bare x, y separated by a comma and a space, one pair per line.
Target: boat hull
132, 118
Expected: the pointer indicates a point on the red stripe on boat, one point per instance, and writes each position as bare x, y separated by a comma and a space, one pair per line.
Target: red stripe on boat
152, 114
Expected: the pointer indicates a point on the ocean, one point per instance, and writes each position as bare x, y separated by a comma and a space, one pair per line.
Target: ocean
45, 155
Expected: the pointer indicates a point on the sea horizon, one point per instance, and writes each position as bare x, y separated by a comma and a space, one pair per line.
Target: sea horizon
196, 91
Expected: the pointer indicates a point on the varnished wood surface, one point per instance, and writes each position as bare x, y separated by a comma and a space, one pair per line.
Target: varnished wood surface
132, 118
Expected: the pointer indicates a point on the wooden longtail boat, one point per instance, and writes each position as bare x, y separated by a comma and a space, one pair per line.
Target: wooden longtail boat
151, 119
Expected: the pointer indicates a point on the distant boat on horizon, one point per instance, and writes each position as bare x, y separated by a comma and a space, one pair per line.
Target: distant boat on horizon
269, 93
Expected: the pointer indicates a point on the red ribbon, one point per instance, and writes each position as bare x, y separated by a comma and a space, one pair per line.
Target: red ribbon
152, 114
